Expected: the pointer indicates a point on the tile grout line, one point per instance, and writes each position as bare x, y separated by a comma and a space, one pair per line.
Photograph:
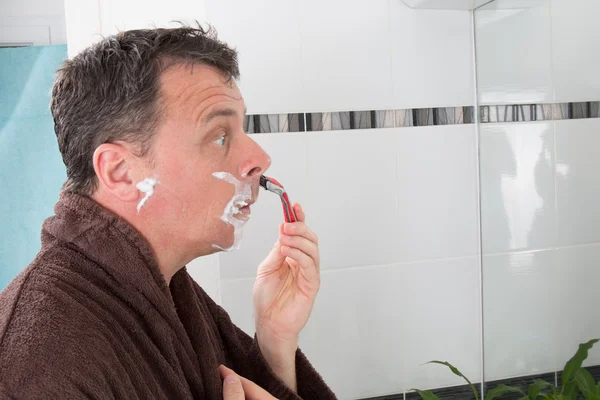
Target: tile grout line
432, 260
476, 120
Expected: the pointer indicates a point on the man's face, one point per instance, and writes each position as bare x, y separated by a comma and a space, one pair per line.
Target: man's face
202, 134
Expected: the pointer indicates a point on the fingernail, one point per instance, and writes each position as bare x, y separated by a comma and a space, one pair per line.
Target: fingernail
231, 379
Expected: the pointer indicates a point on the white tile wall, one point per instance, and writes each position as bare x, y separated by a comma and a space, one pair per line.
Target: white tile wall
352, 177
578, 186
236, 299
89, 20
575, 302
432, 58
437, 193
575, 43
118, 15
517, 186
346, 60
337, 55
83, 24
32, 8
370, 200
267, 35
384, 322
514, 55
41, 22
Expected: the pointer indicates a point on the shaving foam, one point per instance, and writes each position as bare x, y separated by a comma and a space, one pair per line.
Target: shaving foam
243, 193
145, 186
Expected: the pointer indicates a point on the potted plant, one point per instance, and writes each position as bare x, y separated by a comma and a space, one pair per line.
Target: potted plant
576, 381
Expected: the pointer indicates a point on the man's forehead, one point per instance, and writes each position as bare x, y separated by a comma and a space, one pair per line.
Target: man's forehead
184, 82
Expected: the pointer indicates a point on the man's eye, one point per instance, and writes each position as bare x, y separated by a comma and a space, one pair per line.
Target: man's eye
220, 141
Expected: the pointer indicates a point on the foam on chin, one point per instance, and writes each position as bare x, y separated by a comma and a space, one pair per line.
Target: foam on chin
243, 193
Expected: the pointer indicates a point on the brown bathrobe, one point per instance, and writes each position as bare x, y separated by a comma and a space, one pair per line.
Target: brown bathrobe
92, 317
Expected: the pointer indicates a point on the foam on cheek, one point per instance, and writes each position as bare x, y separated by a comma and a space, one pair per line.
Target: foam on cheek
145, 186
243, 193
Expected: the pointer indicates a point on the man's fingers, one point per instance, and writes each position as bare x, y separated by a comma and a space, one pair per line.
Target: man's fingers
232, 388
306, 246
249, 390
304, 261
299, 212
300, 229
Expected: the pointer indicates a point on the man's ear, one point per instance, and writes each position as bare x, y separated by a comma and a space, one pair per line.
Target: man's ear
114, 169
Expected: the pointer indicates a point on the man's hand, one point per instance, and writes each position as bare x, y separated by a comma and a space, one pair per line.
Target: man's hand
237, 388
286, 286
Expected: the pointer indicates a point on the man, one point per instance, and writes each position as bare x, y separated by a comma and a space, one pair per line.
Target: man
159, 172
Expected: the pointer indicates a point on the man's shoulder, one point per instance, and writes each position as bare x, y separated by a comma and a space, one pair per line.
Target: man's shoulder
39, 310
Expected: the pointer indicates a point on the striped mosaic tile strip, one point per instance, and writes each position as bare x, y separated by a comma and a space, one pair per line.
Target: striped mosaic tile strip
539, 112
374, 119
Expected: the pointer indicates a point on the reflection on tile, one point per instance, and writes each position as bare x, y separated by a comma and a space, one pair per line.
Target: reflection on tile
515, 113
521, 382
520, 290
349, 120
271, 123
461, 392
585, 109
518, 207
434, 116
509, 34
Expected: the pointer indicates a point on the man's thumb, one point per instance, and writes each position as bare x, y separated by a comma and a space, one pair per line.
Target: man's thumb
232, 388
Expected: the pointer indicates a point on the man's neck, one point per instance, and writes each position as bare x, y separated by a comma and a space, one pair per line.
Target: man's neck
168, 257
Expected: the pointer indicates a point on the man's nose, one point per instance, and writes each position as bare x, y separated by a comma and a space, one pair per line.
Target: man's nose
256, 161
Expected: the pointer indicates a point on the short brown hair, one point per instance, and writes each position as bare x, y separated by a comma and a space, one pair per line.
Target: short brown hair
110, 92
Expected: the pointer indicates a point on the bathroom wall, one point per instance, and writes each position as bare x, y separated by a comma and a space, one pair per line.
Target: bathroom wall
395, 205
35, 22
540, 89
366, 110
32, 169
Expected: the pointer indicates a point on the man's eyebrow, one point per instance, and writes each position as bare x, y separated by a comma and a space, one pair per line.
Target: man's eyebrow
223, 112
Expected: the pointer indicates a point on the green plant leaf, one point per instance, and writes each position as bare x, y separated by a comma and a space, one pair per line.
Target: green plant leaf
501, 390
426, 394
458, 373
570, 391
536, 388
586, 384
575, 362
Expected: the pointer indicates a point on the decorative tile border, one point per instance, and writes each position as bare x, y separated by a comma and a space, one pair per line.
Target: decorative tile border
378, 119
539, 112
585, 109
271, 123
515, 113
345, 120
349, 120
